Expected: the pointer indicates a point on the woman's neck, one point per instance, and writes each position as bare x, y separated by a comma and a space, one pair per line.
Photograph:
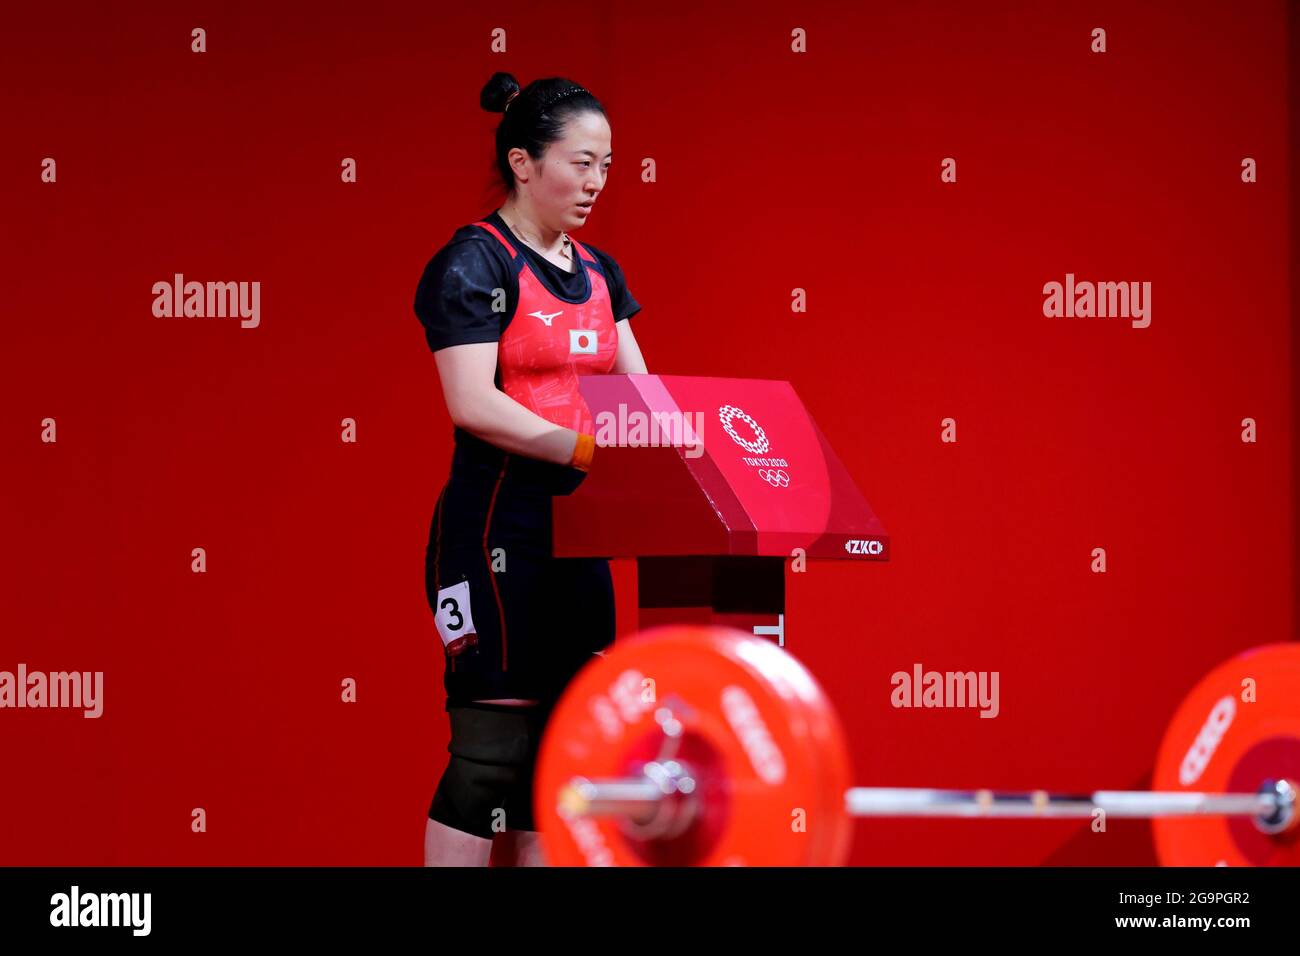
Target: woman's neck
530, 229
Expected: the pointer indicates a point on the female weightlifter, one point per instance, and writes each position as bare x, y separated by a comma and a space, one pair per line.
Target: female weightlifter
515, 310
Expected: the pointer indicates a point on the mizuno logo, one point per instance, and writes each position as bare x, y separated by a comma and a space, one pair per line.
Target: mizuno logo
546, 317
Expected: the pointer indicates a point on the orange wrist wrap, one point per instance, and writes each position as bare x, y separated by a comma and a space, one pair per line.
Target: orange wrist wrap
583, 452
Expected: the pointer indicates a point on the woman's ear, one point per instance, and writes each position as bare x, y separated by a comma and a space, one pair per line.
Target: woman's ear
521, 163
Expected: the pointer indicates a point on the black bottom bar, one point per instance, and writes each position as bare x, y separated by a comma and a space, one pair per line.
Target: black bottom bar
485, 907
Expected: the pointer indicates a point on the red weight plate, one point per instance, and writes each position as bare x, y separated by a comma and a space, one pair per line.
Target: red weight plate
828, 823
756, 730
825, 823
1237, 728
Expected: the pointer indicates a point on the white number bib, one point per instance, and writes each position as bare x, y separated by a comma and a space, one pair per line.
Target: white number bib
453, 619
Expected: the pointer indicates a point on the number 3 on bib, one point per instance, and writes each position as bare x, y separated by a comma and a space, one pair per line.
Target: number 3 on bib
454, 621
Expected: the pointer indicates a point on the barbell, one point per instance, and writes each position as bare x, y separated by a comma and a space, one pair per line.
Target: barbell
696, 745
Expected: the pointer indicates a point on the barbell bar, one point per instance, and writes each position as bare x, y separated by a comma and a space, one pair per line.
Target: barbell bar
1272, 809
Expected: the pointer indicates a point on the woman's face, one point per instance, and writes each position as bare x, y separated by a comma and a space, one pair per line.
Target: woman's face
571, 172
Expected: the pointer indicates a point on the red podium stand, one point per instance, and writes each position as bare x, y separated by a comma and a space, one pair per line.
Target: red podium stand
712, 484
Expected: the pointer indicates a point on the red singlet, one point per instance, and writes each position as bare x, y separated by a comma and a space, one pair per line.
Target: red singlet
550, 342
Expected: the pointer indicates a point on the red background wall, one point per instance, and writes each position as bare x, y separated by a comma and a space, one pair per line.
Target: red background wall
775, 171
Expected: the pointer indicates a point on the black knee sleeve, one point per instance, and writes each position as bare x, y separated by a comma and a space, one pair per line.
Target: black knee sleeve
488, 784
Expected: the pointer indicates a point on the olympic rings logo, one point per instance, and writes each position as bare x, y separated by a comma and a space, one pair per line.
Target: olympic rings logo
774, 477
756, 447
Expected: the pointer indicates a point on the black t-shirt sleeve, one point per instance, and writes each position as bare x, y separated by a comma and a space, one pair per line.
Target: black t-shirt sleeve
455, 296
624, 305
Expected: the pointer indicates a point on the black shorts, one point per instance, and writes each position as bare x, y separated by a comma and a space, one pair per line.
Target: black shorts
490, 570
488, 784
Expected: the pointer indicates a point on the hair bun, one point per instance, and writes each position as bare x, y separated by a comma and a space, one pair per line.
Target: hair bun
498, 92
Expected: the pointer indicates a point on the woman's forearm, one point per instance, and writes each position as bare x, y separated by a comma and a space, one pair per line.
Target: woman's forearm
497, 418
